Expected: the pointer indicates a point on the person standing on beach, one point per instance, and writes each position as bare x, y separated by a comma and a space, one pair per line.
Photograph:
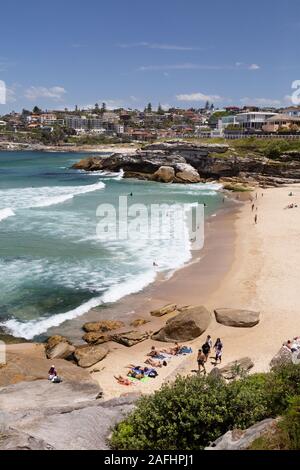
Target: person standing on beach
206, 350
253, 207
218, 347
255, 219
201, 361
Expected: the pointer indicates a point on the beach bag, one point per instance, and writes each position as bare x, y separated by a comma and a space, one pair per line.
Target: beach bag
56, 380
153, 374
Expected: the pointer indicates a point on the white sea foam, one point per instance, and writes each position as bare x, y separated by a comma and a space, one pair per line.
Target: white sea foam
5, 213
36, 327
25, 198
108, 175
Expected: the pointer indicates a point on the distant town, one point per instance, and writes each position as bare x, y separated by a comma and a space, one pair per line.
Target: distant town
98, 125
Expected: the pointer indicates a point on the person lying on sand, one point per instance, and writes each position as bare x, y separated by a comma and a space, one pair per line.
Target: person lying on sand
173, 351
122, 380
137, 373
153, 352
154, 363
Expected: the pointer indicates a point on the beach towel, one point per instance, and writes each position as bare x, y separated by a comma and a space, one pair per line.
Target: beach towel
185, 350
144, 379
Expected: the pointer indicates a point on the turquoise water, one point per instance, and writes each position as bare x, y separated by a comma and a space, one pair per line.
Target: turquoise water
53, 267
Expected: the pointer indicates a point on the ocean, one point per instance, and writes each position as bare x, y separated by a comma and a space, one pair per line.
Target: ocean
53, 267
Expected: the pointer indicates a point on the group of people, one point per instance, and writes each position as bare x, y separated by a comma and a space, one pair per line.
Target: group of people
206, 349
156, 358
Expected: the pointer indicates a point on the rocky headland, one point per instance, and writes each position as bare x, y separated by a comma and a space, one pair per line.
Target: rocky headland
184, 162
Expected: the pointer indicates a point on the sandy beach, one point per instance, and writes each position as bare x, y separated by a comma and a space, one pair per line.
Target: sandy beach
263, 275
243, 265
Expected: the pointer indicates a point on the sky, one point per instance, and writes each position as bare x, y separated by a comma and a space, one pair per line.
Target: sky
127, 53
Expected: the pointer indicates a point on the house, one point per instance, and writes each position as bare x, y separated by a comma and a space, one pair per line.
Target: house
293, 111
281, 121
253, 120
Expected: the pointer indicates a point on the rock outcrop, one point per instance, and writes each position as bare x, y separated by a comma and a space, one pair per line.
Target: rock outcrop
58, 347
130, 338
103, 325
242, 440
87, 356
237, 317
236, 368
139, 322
159, 312
187, 325
95, 337
32, 365
283, 357
193, 162
58, 416
165, 174
186, 174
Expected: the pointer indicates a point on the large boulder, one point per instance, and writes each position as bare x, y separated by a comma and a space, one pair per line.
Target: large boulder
237, 317
185, 326
242, 440
283, 357
159, 312
87, 356
165, 174
103, 326
236, 368
130, 338
186, 174
58, 347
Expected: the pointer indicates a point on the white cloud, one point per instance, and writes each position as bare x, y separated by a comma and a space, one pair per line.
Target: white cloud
260, 101
112, 103
10, 95
253, 67
187, 66
55, 93
193, 66
166, 47
198, 97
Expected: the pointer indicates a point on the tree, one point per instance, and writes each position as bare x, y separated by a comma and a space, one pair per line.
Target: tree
207, 105
149, 108
159, 109
36, 110
103, 108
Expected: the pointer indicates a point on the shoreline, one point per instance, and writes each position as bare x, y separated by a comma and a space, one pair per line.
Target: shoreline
259, 270
103, 148
168, 287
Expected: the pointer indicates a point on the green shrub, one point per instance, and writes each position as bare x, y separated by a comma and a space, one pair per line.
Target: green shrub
249, 400
191, 412
185, 415
290, 424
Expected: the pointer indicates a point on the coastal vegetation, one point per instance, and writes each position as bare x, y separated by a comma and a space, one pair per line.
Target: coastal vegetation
192, 412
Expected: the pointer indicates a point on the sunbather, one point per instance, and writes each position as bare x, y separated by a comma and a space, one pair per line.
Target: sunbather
173, 351
153, 352
153, 363
122, 380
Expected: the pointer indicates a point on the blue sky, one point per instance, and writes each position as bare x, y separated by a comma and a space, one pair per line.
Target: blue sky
61, 53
